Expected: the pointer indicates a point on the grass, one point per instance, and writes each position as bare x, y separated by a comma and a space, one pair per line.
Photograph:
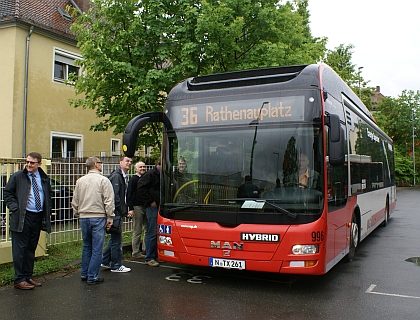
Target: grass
61, 257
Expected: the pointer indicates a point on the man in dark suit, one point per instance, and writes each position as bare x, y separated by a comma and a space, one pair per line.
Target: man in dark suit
112, 255
248, 189
28, 196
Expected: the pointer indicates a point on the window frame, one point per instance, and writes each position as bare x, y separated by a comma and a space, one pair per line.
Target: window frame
67, 60
115, 147
79, 138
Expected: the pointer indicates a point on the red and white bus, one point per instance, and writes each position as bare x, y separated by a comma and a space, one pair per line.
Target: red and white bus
257, 124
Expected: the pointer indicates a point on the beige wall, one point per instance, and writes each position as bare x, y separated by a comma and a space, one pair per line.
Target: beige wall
10, 101
47, 105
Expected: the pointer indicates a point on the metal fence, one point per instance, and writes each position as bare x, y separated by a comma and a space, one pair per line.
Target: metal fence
64, 174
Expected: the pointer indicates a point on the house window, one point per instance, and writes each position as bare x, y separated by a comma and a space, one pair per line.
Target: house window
147, 151
66, 145
64, 65
115, 147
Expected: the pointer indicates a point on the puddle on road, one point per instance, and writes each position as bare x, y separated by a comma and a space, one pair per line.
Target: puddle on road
415, 260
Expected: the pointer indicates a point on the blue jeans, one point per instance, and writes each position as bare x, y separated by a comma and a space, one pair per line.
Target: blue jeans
151, 244
93, 234
112, 254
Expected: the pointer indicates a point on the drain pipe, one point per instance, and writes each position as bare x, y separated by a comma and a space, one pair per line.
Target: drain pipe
25, 97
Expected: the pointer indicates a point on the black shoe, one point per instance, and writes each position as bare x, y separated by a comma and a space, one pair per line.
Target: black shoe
97, 281
83, 278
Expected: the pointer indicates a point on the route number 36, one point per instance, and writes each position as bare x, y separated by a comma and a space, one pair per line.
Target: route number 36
189, 116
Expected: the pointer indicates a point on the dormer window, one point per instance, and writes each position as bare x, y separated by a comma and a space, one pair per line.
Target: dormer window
64, 14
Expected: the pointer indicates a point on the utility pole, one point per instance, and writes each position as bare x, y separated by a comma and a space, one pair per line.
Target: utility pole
277, 167
359, 73
414, 157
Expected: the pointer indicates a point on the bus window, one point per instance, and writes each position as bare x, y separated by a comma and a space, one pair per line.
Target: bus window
218, 167
337, 183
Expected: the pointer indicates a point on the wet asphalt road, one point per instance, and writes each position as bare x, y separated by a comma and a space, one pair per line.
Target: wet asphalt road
378, 284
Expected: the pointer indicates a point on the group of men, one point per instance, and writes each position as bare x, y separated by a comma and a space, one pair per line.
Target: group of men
136, 198
99, 202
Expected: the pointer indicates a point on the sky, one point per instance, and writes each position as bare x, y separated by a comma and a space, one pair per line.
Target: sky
385, 35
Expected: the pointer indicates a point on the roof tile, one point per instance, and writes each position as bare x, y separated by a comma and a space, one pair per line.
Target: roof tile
41, 13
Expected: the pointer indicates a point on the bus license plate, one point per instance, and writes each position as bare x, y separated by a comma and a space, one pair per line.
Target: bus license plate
227, 263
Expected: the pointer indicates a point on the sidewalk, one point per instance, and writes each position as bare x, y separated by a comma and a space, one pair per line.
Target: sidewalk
64, 296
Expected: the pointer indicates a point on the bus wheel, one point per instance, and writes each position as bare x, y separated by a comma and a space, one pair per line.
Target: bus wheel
385, 222
354, 238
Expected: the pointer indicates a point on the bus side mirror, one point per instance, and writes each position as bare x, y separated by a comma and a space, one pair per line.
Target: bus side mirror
130, 135
335, 140
131, 132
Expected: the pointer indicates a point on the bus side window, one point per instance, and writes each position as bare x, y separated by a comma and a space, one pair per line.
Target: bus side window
336, 185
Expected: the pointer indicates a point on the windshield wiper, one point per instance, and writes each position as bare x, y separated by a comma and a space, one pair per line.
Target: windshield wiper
291, 215
193, 205
171, 210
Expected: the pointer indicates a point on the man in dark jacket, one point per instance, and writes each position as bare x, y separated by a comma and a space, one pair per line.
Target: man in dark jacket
149, 195
28, 196
137, 212
112, 255
248, 189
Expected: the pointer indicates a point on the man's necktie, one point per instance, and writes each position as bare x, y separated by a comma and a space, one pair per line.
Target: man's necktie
35, 189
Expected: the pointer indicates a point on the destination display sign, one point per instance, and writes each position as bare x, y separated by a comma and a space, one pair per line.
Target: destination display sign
238, 112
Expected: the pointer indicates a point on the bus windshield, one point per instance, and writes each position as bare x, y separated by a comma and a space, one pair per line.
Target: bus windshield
258, 173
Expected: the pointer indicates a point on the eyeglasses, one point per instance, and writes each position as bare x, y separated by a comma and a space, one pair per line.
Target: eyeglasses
99, 162
31, 162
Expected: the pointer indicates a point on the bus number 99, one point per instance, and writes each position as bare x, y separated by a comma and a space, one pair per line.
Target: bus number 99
317, 236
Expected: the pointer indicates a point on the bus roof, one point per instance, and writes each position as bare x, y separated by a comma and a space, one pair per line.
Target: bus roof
271, 79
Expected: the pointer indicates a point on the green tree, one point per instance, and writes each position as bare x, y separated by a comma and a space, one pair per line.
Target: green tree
124, 63
134, 51
291, 163
340, 59
397, 117
403, 168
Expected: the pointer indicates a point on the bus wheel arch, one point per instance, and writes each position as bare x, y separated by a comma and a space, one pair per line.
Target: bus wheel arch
354, 238
386, 218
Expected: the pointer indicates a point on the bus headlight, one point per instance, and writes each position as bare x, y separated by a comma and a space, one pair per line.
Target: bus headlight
165, 240
305, 249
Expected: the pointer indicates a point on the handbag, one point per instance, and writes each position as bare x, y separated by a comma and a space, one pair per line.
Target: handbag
116, 225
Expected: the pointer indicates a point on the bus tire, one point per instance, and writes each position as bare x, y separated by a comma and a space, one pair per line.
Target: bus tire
354, 238
385, 222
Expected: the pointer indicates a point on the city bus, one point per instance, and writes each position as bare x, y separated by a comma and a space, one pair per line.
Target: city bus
318, 170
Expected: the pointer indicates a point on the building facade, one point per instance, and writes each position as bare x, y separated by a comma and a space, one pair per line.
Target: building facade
37, 55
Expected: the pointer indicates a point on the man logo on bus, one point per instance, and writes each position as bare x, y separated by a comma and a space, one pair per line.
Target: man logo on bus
226, 245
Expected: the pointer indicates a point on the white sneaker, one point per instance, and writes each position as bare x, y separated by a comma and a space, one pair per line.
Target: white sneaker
106, 266
121, 269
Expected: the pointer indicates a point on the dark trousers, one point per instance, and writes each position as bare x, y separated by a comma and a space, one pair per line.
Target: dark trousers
24, 245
